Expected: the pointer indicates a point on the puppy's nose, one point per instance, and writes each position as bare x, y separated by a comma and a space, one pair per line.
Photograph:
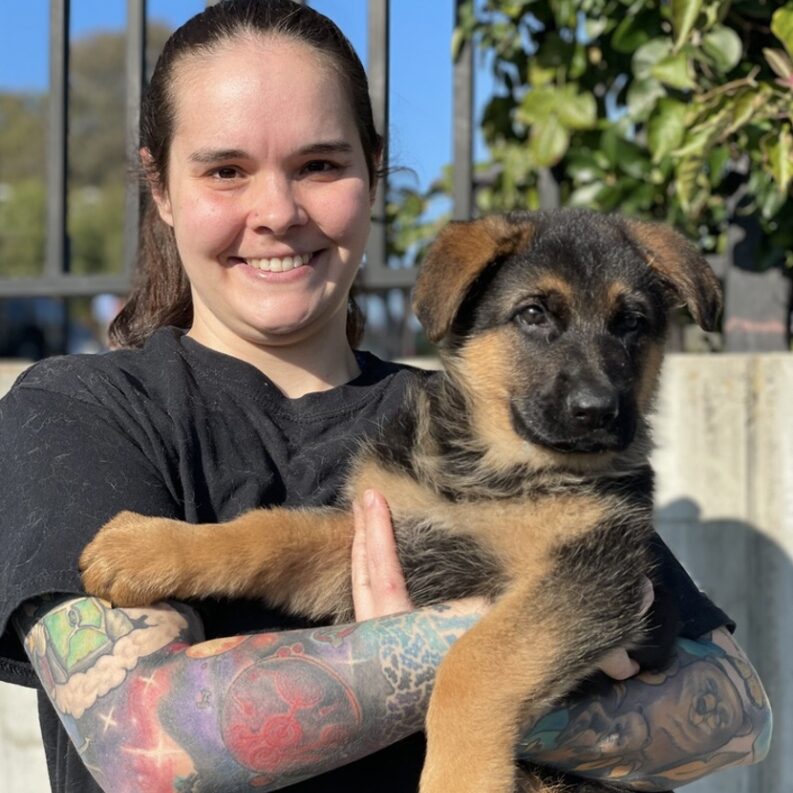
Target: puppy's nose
592, 407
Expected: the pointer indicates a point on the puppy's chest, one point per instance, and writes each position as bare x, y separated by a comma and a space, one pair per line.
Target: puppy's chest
457, 543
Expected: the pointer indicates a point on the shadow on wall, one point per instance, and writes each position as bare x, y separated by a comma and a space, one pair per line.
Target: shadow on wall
751, 578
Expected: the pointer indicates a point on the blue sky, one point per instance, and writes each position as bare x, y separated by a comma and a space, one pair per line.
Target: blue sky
421, 75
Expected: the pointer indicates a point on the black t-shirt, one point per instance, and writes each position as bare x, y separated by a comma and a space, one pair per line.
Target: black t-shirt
181, 431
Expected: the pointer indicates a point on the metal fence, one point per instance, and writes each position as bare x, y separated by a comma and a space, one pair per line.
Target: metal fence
56, 279
758, 304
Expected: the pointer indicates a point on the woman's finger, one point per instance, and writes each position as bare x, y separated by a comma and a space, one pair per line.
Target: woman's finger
361, 583
386, 590
618, 665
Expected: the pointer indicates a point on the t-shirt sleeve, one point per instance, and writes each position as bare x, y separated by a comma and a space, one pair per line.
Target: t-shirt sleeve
67, 466
698, 614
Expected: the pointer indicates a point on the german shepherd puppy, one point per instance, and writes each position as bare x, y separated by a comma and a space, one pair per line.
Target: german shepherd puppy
520, 472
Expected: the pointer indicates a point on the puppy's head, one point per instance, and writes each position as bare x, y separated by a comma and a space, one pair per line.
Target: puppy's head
554, 323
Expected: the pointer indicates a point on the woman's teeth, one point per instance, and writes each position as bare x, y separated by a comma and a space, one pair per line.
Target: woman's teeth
280, 265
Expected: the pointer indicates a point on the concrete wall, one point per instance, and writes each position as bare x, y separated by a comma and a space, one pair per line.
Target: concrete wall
724, 457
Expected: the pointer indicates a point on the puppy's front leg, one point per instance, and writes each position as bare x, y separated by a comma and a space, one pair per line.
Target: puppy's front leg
298, 559
494, 677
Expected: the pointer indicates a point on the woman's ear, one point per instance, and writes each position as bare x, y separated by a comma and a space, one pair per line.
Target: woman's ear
158, 192
377, 165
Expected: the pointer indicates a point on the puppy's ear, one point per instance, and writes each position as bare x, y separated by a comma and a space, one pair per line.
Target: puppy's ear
682, 267
461, 251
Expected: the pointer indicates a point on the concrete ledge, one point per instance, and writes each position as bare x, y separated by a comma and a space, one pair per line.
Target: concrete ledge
9, 371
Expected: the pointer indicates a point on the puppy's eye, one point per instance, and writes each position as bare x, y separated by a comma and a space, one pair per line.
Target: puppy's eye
533, 314
629, 322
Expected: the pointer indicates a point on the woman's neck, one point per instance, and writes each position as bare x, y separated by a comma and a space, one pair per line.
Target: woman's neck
316, 363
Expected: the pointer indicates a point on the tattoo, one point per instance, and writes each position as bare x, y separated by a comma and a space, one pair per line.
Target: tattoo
83, 648
705, 712
147, 707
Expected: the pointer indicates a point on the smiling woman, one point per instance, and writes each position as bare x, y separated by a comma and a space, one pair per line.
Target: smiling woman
243, 187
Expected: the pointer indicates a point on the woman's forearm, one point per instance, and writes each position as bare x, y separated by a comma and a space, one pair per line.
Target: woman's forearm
152, 707
706, 712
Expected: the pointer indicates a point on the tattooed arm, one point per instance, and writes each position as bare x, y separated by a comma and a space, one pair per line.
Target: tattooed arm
706, 712
150, 706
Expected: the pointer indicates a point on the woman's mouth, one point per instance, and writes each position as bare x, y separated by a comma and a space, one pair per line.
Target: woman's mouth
280, 264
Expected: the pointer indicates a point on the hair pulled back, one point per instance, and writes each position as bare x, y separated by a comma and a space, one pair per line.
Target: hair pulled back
160, 294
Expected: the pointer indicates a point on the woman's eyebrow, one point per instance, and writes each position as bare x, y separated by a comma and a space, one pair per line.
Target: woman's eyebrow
327, 147
207, 156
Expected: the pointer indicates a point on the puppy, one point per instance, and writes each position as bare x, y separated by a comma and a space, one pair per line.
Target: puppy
520, 473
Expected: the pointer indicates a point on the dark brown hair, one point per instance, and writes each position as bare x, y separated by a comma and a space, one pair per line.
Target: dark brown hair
161, 292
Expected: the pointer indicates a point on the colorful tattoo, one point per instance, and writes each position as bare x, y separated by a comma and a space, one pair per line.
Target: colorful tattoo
657, 731
149, 705
149, 708
84, 648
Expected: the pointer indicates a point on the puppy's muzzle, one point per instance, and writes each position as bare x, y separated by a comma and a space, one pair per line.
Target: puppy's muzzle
590, 408
589, 418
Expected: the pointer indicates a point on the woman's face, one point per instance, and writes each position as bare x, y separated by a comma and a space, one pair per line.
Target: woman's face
267, 192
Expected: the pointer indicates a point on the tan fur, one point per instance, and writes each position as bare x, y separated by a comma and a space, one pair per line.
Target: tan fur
294, 558
470, 689
616, 291
485, 371
651, 374
527, 532
550, 284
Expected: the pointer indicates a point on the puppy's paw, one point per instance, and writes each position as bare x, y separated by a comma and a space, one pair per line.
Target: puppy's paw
136, 560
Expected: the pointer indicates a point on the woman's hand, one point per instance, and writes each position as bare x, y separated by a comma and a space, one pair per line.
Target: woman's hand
378, 585
617, 664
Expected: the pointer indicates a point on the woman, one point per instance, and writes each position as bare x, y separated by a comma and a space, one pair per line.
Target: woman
262, 159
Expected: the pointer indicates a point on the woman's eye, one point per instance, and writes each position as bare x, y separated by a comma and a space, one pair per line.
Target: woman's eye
533, 314
320, 166
226, 172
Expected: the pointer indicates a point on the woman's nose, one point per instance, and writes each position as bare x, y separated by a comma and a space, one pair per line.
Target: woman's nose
275, 206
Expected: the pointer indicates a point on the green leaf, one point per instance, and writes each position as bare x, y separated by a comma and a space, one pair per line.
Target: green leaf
633, 160
584, 166
537, 105
684, 15
724, 48
548, 141
594, 28
717, 161
666, 128
782, 26
539, 75
675, 71
642, 98
586, 196
780, 62
697, 142
565, 12
648, 55
686, 174
743, 106
623, 155
632, 32
780, 156
576, 111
